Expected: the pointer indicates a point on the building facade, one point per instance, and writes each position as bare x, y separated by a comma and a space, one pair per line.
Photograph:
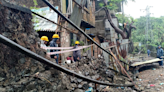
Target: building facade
81, 12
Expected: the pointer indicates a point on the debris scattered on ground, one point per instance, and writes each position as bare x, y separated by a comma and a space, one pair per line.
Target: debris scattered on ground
161, 83
90, 89
152, 85
152, 80
154, 68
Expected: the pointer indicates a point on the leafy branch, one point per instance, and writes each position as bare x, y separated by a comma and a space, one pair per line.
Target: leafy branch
112, 4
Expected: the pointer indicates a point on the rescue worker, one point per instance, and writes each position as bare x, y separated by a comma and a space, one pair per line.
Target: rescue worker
44, 41
148, 52
53, 43
159, 54
77, 54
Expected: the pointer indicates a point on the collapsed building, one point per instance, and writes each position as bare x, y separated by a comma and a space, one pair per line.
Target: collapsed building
21, 73
79, 12
82, 13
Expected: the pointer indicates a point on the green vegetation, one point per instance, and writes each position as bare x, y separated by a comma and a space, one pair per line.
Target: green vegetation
113, 4
155, 32
124, 19
24, 6
35, 4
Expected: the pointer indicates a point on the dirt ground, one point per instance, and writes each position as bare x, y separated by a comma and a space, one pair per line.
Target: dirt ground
151, 78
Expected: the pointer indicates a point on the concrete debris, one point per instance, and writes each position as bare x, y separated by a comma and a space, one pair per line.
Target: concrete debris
79, 90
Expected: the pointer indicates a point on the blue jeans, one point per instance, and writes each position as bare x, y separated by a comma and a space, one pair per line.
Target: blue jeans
148, 54
75, 58
57, 59
52, 56
160, 62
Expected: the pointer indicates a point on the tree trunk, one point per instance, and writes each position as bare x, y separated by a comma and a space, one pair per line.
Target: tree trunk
118, 30
109, 17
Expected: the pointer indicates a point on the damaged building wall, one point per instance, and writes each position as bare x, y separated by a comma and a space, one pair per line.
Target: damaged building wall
99, 30
97, 50
112, 35
82, 18
104, 29
90, 18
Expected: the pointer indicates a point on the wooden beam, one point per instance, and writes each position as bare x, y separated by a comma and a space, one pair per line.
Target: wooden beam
146, 62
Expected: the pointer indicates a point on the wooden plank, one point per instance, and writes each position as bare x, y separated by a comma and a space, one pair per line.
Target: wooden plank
113, 63
122, 69
146, 62
92, 50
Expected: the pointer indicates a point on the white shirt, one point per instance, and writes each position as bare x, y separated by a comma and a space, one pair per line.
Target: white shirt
42, 44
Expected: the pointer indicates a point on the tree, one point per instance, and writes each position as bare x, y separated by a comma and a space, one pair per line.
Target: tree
155, 32
126, 33
112, 4
124, 18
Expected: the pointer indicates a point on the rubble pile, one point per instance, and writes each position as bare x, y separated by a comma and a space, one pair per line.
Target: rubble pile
94, 69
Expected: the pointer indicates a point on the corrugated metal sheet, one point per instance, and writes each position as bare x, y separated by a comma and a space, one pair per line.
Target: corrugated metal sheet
76, 16
42, 24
